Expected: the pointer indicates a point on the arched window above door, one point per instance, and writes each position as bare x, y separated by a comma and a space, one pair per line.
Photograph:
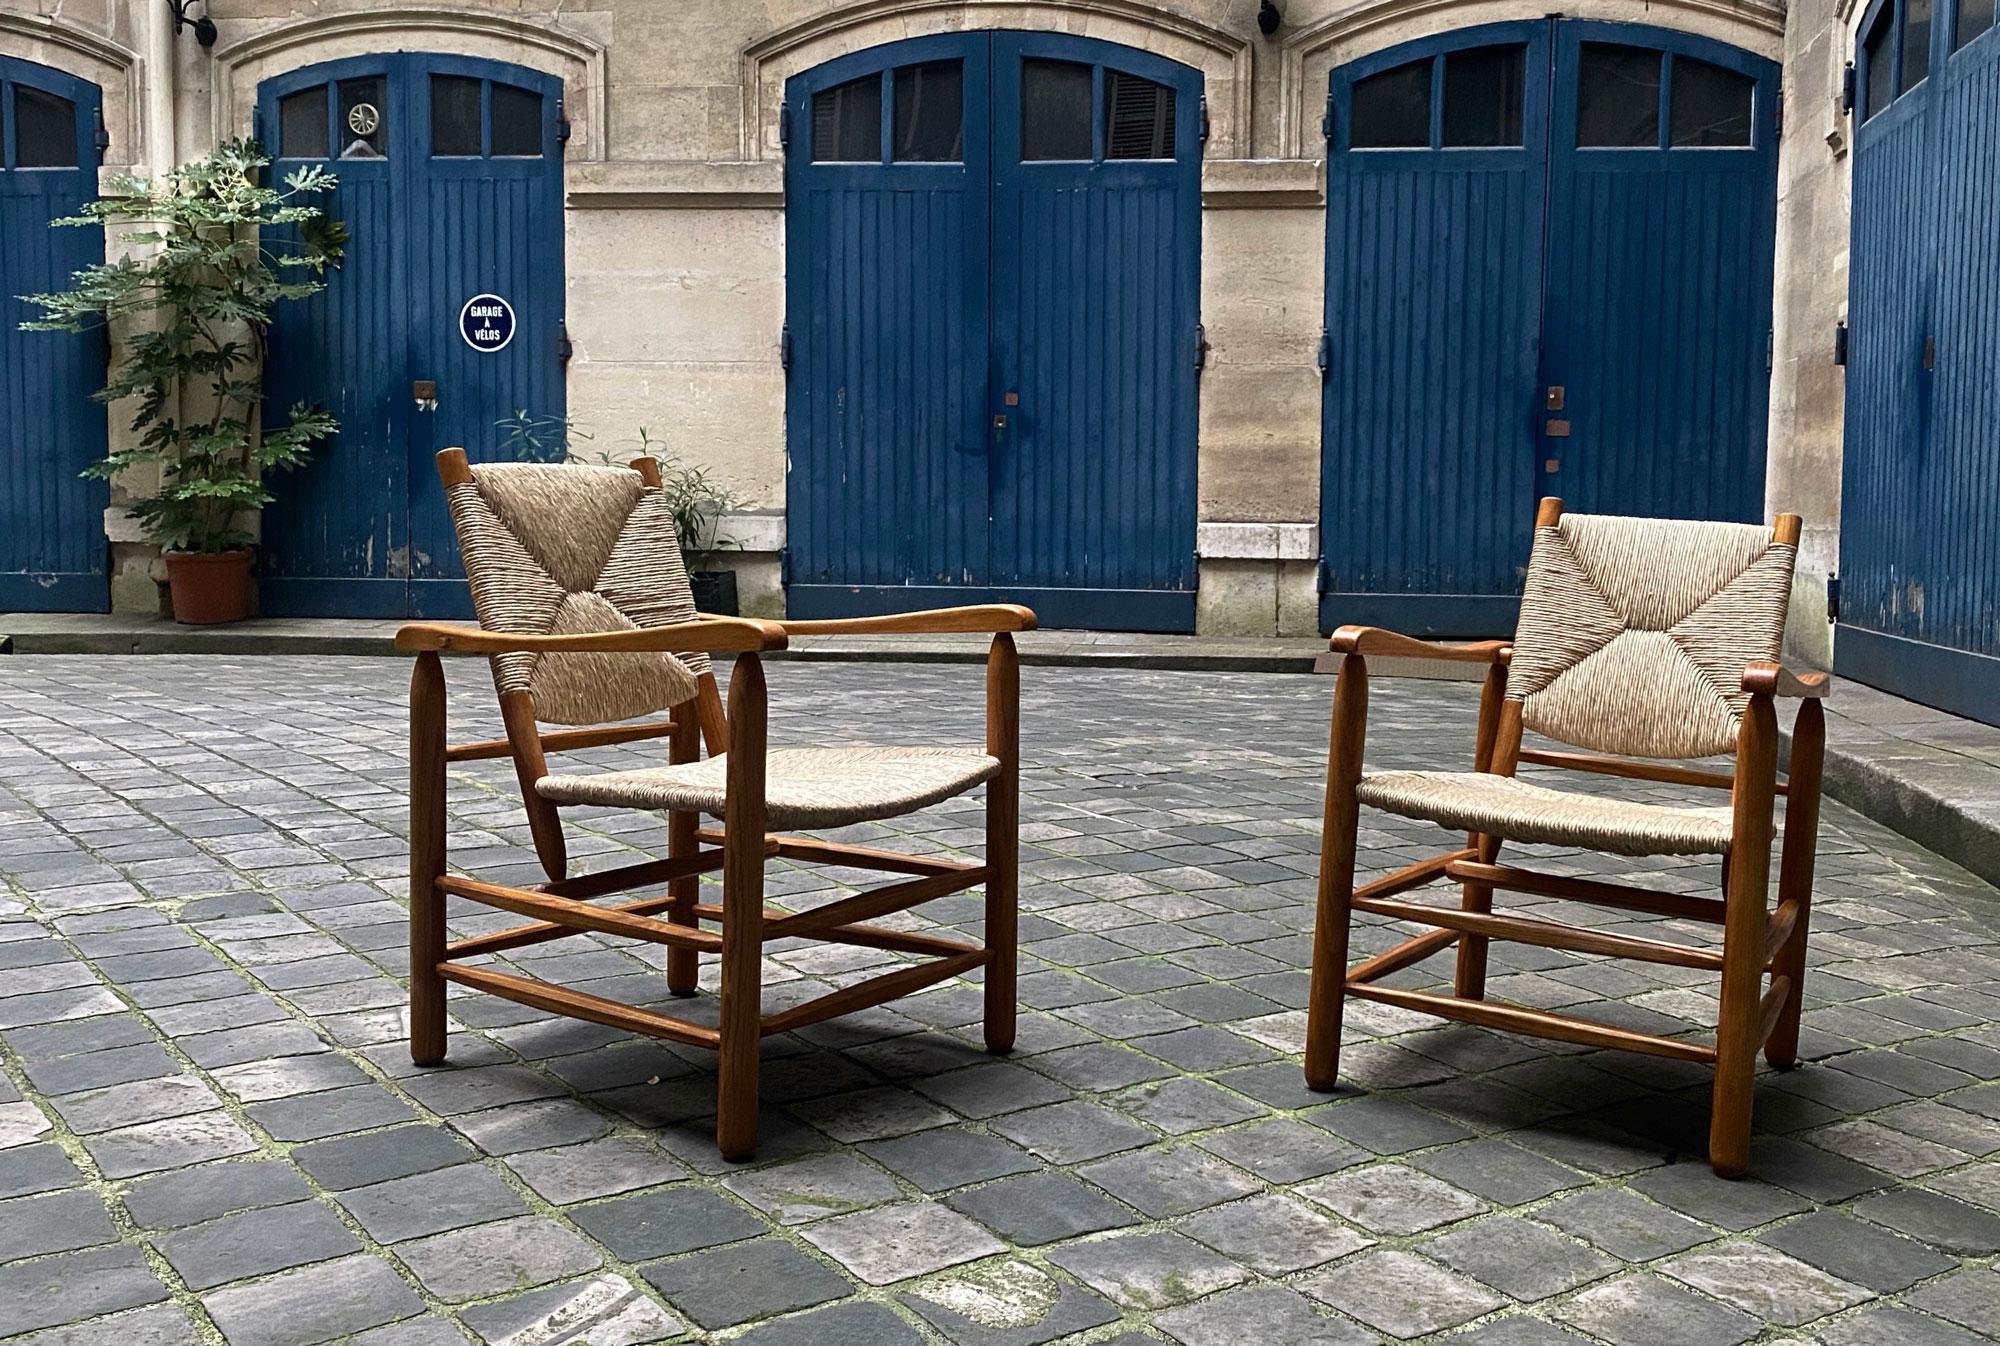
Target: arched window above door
911, 113
1465, 99
44, 126
1621, 91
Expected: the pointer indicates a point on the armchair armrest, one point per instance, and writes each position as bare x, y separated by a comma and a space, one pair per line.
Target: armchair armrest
1766, 678
708, 635
983, 617
1366, 640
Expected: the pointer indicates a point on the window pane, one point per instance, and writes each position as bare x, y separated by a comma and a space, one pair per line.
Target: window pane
1711, 106
44, 129
930, 113
364, 121
1974, 18
847, 122
1916, 42
1879, 49
1618, 97
302, 124
1392, 110
454, 115
1138, 117
1482, 96
1055, 110
517, 122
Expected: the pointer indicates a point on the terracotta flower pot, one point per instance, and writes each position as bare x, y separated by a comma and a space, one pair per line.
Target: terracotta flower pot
209, 587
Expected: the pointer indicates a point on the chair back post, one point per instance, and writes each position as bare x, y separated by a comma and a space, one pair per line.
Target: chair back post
1795, 875
427, 858
741, 1024
524, 741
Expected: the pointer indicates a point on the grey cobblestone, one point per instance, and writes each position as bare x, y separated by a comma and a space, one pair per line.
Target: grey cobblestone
211, 1132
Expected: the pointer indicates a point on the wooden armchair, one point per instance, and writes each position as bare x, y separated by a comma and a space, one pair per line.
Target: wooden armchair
587, 615
1644, 638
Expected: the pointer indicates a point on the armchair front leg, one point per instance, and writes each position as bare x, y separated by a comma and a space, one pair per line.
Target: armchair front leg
1003, 840
1339, 828
1744, 930
1469, 976
427, 858
741, 1027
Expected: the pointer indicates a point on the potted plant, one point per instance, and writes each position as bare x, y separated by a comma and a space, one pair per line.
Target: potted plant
213, 251
695, 500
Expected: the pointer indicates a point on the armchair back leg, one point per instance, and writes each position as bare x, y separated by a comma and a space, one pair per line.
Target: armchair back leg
427, 840
1003, 839
683, 964
1795, 876
1469, 977
1739, 1022
1339, 828
741, 1027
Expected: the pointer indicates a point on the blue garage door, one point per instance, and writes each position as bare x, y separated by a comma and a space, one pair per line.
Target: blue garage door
445, 317
992, 278
1549, 252
1920, 511
52, 547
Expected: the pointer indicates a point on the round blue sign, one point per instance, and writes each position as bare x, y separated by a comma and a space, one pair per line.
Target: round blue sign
486, 322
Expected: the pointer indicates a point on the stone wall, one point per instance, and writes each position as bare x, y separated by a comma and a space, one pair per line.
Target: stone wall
674, 188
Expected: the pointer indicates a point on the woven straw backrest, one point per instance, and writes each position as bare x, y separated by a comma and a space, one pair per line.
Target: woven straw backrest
565, 550
1634, 632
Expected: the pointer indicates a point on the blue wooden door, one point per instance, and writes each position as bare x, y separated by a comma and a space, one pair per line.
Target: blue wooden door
52, 542
991, 286
1549, 272
1437, 178
451, 187
1919, 603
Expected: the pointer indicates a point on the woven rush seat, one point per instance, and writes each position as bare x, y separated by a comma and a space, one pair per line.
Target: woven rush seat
1503, 806
804, 788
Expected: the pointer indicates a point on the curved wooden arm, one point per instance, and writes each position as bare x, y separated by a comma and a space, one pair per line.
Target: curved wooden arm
1766, 678
984, 617
709, 635
1366, 640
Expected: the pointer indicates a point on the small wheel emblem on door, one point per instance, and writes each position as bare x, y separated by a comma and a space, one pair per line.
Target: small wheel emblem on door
362, 119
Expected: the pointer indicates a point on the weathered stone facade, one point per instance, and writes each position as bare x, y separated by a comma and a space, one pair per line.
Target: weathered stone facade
676, 236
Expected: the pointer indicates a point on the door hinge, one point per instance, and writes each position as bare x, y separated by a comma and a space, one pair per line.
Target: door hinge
1840, 343
1778, 115
100, 137
1326, 119
784, 127
562, 130
1847, 87
1833, 598
785, 347
1322, 577
1770, 347
1200, 346
1203, 105
1323, 356
564, 346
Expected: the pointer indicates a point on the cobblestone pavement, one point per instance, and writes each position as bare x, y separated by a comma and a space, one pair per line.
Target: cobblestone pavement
210, 1130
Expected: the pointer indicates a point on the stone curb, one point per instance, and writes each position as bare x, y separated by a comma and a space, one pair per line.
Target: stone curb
1908, 804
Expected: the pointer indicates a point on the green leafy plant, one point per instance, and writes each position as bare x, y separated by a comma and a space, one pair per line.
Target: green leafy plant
214, 250
695, 499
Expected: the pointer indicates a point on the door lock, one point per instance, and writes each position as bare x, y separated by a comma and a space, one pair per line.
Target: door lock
425, 391
1557, 395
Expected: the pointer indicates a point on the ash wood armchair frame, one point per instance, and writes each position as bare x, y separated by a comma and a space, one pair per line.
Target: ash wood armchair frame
1758, 940
561, 906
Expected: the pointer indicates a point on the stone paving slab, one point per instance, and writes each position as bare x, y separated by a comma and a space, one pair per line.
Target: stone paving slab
210, 1130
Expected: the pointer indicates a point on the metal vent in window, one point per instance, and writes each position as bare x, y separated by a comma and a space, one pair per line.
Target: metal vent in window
1138, 116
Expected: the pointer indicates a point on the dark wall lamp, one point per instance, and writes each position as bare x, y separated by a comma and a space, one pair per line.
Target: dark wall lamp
204, 27
1269, 16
